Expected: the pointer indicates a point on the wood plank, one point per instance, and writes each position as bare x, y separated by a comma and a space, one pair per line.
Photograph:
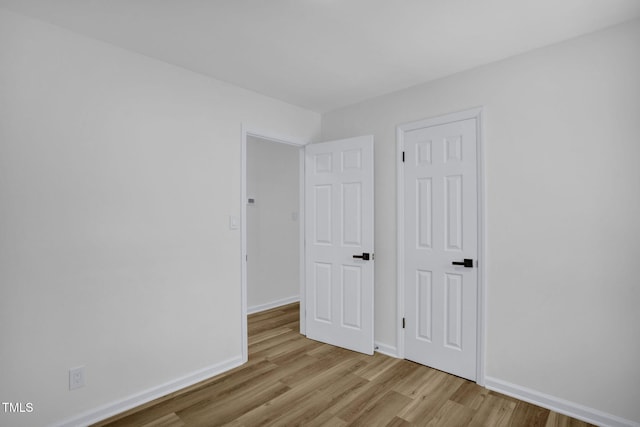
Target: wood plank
382, 412
559, 420
169, 420
470, 395
451, 414
398, 422
355, 405
430, 397
222, 411
526, 414
494, 411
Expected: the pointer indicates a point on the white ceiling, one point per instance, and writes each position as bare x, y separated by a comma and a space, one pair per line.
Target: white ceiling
326, 54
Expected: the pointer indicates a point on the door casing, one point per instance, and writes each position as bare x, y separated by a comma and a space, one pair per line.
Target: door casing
481, 262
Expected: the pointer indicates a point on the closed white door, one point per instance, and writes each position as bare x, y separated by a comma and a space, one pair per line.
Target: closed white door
339, 247
441, 246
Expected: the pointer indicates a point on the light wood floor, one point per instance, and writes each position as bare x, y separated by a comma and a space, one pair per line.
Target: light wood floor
291, 380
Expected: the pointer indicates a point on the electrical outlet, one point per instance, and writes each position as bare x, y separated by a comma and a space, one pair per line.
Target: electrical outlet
76, 377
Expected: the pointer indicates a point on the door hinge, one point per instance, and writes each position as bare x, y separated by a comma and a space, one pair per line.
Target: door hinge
403, 157
403, 323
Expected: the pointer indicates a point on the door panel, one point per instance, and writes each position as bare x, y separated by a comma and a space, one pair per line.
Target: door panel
441, 227
322, 294
351, 296
322, 203
339, 225
351, 214
424, 307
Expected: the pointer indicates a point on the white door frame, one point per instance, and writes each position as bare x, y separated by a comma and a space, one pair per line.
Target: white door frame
270, 136
474, 113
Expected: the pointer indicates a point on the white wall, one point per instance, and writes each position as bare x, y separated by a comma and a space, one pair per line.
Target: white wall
562, 126
118, 174
273, 228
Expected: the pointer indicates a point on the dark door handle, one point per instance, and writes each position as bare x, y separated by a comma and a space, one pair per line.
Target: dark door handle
466, 263
365, 256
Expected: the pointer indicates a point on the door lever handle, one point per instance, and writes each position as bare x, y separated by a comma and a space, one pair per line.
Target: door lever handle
365, 256
466, 263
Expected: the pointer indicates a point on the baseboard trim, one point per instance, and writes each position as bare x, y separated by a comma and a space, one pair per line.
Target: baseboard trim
385, 349
556, 404
273, 304
119, 406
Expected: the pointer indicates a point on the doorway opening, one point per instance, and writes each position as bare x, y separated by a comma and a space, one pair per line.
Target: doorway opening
272, 221
273, 233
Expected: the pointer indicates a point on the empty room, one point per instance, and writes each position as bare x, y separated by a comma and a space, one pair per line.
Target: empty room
319, 212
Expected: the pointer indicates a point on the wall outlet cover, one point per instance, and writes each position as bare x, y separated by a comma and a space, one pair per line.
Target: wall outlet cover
76, 377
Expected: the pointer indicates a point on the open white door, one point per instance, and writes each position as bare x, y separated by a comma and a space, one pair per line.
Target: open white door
339, 247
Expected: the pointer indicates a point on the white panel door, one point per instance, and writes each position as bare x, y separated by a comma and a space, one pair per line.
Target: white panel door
441, 232
339, 243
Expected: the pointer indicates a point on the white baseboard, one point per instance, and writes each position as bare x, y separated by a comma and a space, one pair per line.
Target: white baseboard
556, 404
385, 349
119, 406
273, 304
